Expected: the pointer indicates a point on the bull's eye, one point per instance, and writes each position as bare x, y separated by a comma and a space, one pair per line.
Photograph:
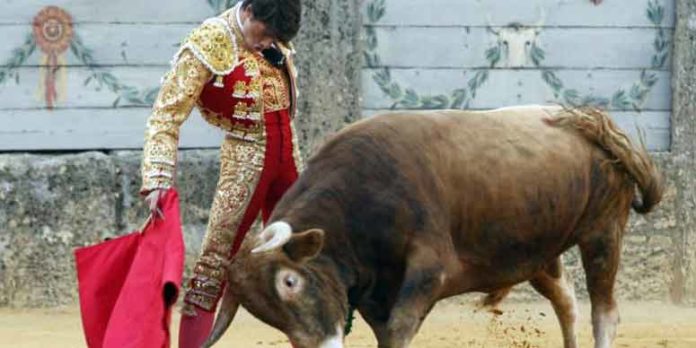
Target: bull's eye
289, 284
290, 281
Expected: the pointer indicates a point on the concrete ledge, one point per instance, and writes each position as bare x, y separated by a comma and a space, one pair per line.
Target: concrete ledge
50, 205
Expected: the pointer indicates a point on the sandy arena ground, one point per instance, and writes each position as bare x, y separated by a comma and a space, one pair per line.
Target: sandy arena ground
452, 324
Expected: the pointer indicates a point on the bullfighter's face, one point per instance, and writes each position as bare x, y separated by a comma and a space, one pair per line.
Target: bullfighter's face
257, 36
285, 282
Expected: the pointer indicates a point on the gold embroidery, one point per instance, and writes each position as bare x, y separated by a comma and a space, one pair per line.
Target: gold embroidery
179, 92
203, 291
255, 87
219, 81
244, 111
242, 135
240, 89
251, 65
242, 131
241, 164
296, 155
276, 87
213, 44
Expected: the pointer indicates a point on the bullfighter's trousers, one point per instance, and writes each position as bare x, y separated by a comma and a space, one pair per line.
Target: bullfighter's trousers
253, 177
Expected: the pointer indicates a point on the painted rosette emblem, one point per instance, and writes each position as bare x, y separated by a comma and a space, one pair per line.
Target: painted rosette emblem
53, 32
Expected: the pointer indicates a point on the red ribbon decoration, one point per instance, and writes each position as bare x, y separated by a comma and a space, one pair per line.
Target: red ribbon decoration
53, 31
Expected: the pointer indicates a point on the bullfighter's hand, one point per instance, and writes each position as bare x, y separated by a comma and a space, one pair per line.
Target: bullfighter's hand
152, 200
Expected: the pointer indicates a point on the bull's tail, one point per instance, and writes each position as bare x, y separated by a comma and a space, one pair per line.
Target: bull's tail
597, 126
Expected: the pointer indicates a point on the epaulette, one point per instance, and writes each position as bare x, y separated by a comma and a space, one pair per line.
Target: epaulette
214, 45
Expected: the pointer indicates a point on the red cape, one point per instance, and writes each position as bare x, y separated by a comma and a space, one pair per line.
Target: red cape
128, 285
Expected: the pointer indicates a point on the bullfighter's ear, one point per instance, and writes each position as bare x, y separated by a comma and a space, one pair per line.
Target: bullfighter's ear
304, 246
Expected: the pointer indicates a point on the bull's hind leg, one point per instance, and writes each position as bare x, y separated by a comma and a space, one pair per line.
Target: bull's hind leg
552, 284
600, 259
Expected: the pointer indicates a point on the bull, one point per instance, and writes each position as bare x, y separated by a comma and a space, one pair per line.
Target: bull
401, 210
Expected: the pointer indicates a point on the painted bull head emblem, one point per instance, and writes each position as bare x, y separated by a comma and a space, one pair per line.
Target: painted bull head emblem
515, 41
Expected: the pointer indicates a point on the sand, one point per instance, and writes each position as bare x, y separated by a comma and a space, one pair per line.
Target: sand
453, 323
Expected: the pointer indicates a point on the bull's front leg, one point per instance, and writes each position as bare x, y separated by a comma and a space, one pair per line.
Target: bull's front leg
422, 283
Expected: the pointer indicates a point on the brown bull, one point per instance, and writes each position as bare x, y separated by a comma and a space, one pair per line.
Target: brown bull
401, 210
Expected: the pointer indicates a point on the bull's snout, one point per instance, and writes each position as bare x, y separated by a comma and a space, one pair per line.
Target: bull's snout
334, 341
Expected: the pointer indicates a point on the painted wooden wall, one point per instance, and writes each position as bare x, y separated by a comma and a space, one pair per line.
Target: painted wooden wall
480, 54
418, 54
106, 77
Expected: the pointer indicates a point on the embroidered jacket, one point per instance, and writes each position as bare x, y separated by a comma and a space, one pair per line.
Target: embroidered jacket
232, 87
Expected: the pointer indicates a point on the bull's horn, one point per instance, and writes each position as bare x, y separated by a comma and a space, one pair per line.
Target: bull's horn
228, 309
274, 236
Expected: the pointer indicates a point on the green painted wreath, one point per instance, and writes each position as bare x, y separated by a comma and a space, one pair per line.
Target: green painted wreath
461, 98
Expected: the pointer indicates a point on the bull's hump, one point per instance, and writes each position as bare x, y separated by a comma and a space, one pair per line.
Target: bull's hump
529, 107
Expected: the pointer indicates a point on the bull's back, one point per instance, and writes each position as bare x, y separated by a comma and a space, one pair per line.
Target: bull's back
479, 131
507, 142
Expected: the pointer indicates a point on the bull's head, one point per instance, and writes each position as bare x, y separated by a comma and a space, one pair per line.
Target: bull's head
280, 279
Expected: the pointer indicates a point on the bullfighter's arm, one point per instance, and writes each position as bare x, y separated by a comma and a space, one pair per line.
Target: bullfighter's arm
180, 89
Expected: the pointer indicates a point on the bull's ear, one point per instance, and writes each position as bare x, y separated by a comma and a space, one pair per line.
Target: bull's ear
304, 246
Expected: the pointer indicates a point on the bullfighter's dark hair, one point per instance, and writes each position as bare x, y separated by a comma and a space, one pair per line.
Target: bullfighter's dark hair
282, 17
